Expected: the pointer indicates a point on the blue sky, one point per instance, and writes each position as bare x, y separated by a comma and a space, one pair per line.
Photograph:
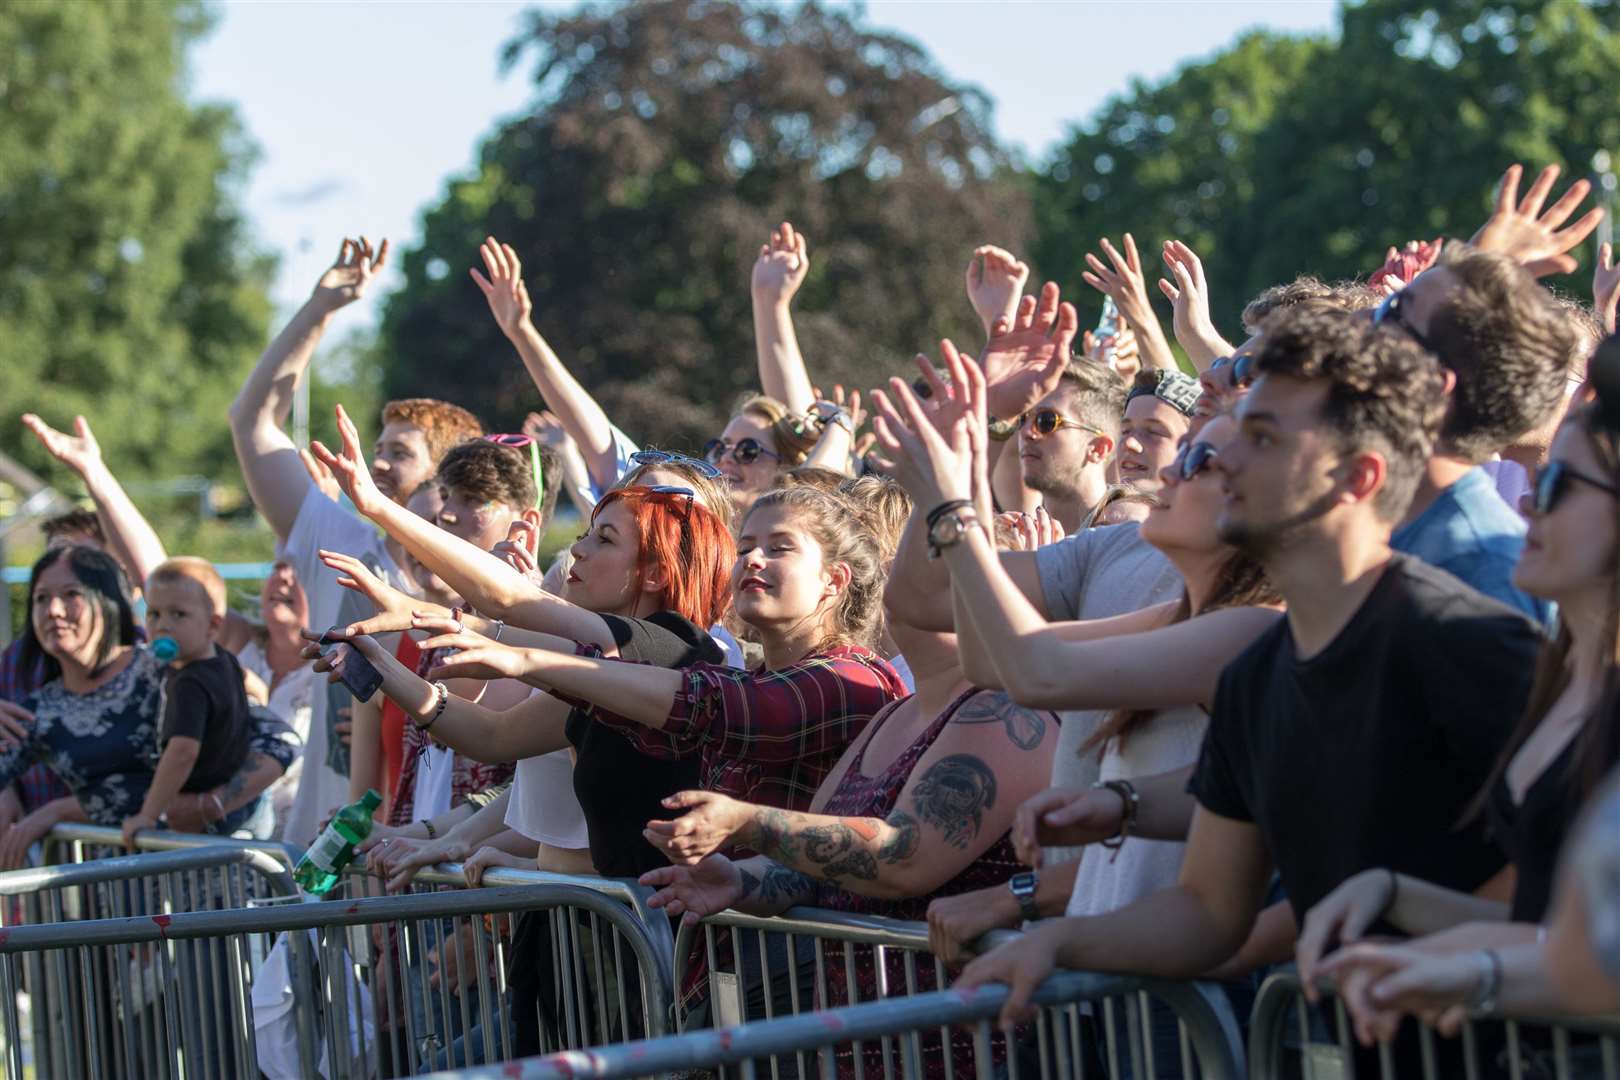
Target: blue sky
362, 111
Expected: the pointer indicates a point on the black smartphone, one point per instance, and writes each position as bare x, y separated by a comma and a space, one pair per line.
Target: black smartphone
358, 674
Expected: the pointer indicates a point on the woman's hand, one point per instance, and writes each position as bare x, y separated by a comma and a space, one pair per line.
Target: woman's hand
711, 822
1021, 965
1065, 817
18, 838
695, 892
330, 650
1031, 531
955, 922
190, 813
995, 284
476, 656
79, 451
16, 725
486, 858
1344, 916
394, 608
1381, 983
350, 469
931, 445
504, 289
781, 267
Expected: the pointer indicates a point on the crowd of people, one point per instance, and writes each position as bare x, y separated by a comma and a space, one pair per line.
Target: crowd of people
1189, 659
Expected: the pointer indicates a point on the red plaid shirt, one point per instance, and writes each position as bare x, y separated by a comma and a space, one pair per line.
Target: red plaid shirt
766, 737
467, 777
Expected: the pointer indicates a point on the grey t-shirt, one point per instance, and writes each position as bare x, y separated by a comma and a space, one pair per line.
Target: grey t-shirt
1097, 574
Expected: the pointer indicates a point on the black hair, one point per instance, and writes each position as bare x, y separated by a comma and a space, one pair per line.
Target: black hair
107, 591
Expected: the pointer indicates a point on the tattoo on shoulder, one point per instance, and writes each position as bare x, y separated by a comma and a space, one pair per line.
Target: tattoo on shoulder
953, 795
1025, 727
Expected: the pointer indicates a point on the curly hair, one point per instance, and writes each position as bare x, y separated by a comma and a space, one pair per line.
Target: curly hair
834, 525
1385, 393
1309, 292
1510, 345
442, 424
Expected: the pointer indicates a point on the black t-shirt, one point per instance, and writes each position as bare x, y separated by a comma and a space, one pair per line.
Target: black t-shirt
1369, 753
205, 700
619, 788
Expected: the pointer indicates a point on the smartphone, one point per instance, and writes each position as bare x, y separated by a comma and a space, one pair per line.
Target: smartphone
358, 674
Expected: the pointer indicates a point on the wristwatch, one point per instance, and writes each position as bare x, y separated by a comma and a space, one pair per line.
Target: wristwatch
1023, 886
948, 529
829, 412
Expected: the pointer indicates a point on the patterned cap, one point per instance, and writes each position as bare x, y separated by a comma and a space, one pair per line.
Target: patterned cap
1175, 389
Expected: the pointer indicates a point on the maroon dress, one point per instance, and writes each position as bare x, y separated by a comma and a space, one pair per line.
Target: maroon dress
860, 795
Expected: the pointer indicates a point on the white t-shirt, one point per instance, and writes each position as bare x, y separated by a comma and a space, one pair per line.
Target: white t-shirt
543, 806
1109, 880
290, 700
323, 523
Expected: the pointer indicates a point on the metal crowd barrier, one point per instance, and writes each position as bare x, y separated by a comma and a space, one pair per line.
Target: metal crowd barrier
1289, 1037
821, 959
901, 1020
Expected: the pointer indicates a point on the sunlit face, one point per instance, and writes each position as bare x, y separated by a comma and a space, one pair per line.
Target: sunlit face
425, 502
400, 462
1052, 464
1282, 471
281, 598
746, 481
1571, 549
1147, 440
1219, 395
1187, 511
181, 610
606, 570
67, 621
482, 523
780, 579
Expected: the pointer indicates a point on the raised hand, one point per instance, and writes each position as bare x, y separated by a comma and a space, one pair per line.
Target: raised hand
1605, 287
545, 427
320, 475
1024, 359
693, 892
930, 446
1189, 295
1122, 280
1531, 236
394, 608
79, 451
348, 279
1031, 531
504, 289
995, 283
709, 824
781, 266
349, 470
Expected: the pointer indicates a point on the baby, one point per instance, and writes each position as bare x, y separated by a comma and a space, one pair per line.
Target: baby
203, 737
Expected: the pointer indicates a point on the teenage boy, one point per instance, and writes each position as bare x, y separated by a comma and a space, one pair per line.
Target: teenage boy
1356, 732
416, 434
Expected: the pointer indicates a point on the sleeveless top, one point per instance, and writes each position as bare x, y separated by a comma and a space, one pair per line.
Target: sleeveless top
860, 795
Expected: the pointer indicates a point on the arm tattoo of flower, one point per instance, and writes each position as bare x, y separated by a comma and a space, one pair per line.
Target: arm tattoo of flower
1026, 728
953, 795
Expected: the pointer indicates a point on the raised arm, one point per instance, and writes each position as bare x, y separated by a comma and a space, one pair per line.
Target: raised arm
275, 477
1189, 293
995, 284
581, 416
1121, 278
780, 269
486, 581
958, 801
130, 538
1536, 238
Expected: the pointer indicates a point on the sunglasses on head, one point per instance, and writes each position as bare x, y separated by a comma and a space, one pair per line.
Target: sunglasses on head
1192, 459
1048, 421
1392, 312
1553, 481
668, 457
744, 452
518, 442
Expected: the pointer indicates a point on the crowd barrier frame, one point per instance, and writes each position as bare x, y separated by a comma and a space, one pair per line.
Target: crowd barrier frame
1281, 1013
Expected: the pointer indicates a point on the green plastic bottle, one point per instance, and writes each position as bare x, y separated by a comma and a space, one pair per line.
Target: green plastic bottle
323, 863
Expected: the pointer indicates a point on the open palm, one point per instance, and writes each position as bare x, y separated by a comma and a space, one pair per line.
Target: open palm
695, 892
1025, 356
347, 280
79, 451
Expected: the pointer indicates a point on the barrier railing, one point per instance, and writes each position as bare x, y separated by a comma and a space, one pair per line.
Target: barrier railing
820, 959
901, 1020
1289, 1037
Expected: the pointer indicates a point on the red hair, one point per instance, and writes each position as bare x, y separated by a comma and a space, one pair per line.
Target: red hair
687, 542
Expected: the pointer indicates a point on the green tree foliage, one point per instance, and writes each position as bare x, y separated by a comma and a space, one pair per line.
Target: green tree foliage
670, 137
1283, 155
128, 289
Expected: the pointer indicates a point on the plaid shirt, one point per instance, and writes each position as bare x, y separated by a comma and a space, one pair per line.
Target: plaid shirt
467, 777
38, 785
766, 737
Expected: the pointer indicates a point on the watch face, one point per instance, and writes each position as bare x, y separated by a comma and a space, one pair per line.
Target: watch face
947, 530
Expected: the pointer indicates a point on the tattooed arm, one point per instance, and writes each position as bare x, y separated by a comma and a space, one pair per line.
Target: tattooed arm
958, 801
756, 886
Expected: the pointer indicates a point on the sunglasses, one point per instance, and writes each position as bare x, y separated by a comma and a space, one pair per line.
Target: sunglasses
1393, 313
518, 442
1048, 421
1192, 459
1553, 481
745, 452
667, 457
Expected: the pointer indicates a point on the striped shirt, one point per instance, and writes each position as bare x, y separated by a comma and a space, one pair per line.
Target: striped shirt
766, 737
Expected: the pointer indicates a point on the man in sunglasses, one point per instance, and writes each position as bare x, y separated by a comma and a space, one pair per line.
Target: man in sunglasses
1505, 344
1356, 732
1067, 440
1158, 412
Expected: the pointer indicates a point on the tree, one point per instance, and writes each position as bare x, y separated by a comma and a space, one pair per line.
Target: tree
670, 138
128, 289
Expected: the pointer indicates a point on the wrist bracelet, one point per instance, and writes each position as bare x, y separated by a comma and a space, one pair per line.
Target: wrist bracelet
945, 508
1132, 805
1482, 1002
218, 805
499, 626
443, 693
433, 834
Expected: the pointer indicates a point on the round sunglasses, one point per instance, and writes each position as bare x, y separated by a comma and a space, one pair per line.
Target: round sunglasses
1553, 481
1192, 459
743, 452
1049, 421
1241, 373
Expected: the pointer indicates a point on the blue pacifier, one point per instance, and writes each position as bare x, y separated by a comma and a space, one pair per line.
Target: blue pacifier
165, 649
